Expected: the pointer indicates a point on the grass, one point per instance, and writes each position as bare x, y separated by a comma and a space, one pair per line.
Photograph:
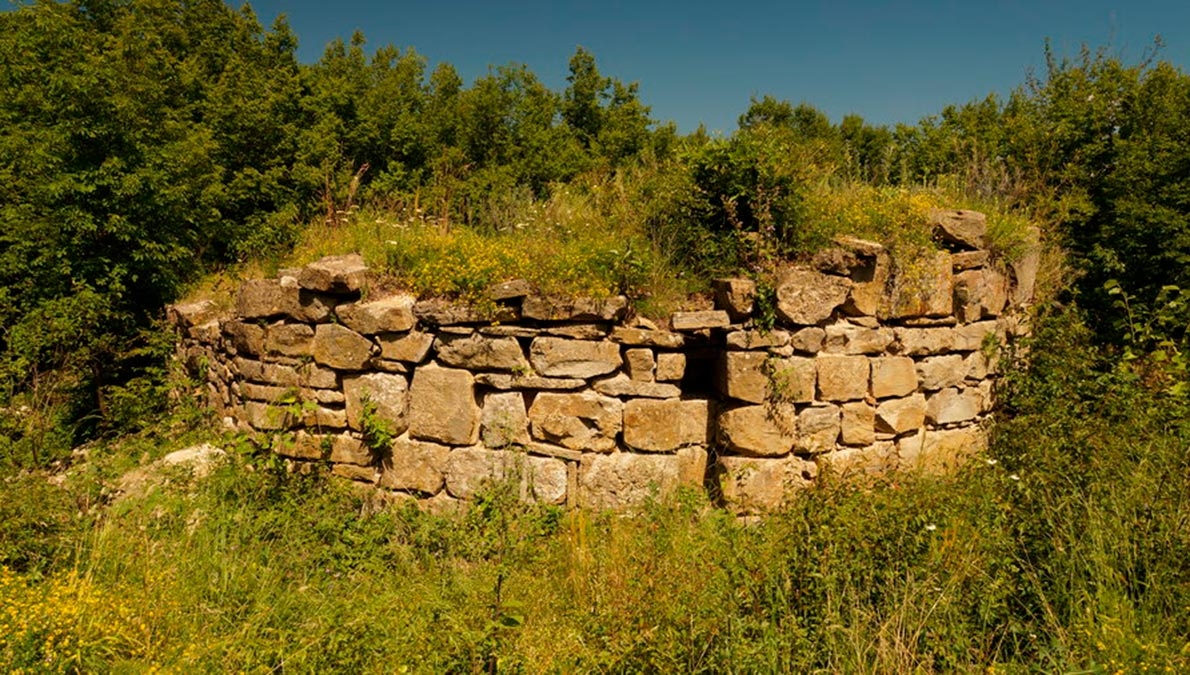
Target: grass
1064, 549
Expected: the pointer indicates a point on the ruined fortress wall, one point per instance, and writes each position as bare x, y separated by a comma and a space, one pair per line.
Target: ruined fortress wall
852, 365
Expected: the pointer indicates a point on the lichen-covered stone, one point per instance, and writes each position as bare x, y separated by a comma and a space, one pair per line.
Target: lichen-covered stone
961, 227
735, 296
640, 364
559, 357
442, 406
808, 340
342, 274
504, 421
340, 348
289, 339
386, 393
979, 294
665, 425
792, 379
671, 367
875, 459
924, 292
976, 336
580, 421
545, 308
843, 338
510, 381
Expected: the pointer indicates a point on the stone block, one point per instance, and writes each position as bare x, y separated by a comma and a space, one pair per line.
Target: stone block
644, 337
692, 321
671, 367
1024, 269
743, 376
975, 336
858, 424
339, 274
540, 479
869, 285
941, 450
759, 430
844, 338
939, 372
665, 426
476, 352
807, 297
735, 296
979, 294
792, 379
350, 450
414, 466
340, 348
504, 421
393, 314
808, 340
264, 299
546, 308
758, 339
559, 357
246, 339
924, 288
817, 429
621, 386
289, 339
511, 381
901, 415
925, 341
893, 376
954, 405
580, 421
386, 393
442, 406
875, 459
640, 364
959, 227
407, 347
752, 486
624, 480
842, 378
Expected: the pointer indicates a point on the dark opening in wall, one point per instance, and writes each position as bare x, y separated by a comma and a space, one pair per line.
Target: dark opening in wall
701, 367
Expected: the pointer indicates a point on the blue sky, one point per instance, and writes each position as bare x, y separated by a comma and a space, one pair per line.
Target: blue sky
700, 61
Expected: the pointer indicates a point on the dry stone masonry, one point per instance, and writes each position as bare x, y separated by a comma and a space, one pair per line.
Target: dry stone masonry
865, 370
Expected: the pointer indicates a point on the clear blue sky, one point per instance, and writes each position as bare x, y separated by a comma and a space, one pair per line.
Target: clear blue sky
700, 61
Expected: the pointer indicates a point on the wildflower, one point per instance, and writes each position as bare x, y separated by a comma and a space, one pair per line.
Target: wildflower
1015, 477
931, 527
992, 462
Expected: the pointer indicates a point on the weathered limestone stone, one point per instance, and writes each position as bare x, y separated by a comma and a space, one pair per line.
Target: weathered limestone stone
691, 321
323, 396
644, 337
842, 378
972, 336
806, 297
323, 417
664, 426
979, 294
735, 296
925, 341
387, 393
301, 445
245, 338
208, 333
817, 429
743, 376
350, 450
580, 421
359, 474
901, 415
869, 285
439, 312
954, 405
508, 381
759, 430
671, 367
511, 290
842, 338
792, 379
939, 372
267, 393
550, 450
340, 274
305, 375
978, 365
504, 420
1024, 269
859, 424
960, 227
808, 340
750, 485
264, 299
559, 357
192, 314
834, 261
541, 479
442, 406
393, 314
640, 364
623, 480
341, 348
876, 459
509, 331
476, 352
578, 331
925, 292
941, 450
986, 394
862, 248
408, 347
289, 339
545, 308
621, 386
757, 339
969, 260
893, 376
268, 417
414, 466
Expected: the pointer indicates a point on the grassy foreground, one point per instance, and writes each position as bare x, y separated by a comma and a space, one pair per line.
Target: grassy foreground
1065, 549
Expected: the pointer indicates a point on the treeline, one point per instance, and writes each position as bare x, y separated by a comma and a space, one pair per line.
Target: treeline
144, 142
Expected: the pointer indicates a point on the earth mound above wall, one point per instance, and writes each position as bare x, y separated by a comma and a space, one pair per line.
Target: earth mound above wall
858, 368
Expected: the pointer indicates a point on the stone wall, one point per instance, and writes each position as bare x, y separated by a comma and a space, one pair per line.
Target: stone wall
863, 368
